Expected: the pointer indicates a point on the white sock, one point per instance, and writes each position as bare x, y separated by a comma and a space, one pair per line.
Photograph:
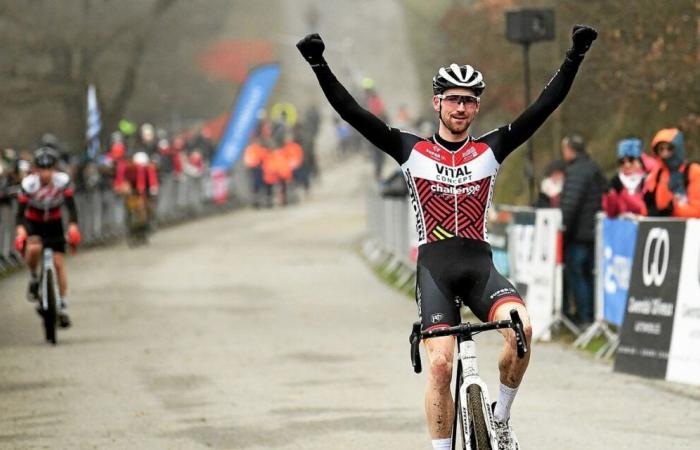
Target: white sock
442, 444
505, 400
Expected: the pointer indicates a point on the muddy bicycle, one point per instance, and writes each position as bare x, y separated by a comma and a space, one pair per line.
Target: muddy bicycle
472, 404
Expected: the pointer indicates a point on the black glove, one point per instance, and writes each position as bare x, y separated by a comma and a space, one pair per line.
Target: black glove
311, 48
582, 37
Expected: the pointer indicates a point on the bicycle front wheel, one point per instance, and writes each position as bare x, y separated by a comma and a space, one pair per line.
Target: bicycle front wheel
50, 312
479, 431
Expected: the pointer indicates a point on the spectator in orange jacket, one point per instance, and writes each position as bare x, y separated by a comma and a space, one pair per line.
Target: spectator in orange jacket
253, 158
295, 156
673, 189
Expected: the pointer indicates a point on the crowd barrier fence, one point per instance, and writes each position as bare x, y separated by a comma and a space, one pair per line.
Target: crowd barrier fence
647, 279
101, 212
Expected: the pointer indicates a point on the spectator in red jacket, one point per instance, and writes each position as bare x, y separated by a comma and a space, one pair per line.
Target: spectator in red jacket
625, 195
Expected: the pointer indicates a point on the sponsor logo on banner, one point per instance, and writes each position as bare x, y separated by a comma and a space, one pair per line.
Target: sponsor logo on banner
647, 328
656, 254
684, 356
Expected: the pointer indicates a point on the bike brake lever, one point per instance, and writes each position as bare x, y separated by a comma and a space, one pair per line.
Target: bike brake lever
415, 348
520, 341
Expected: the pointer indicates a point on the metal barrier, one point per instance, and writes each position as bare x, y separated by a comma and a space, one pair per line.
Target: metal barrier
101, 213
392, 237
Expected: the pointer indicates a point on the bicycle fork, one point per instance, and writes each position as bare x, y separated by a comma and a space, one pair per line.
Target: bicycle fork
468, 375
48, 266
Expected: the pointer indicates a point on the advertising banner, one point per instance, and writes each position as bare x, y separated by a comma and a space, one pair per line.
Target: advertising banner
498, 238
684, 356
254, 94
542, 292
521, 243
532, 248
619, 238
645, 338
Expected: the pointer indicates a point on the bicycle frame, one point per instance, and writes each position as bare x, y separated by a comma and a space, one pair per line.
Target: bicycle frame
468, 375
468, 369
47, 265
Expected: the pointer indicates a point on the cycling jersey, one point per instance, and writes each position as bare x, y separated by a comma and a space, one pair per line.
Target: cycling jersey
141, 179
451, 188
39, 208
42, 203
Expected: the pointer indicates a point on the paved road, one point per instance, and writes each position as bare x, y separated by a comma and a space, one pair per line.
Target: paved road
265, 330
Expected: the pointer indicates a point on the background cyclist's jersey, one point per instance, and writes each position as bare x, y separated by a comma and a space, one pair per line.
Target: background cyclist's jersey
42, 202
450, 184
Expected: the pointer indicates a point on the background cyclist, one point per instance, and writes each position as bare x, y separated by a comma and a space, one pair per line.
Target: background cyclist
40, 221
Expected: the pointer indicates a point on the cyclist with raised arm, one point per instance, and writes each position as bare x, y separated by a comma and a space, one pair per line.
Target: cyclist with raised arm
450, 177
40, 221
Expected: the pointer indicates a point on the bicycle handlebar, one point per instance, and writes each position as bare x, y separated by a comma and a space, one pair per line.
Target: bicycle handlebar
466, 330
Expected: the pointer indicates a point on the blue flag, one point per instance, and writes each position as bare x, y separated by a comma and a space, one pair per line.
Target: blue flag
94, 123
254, 94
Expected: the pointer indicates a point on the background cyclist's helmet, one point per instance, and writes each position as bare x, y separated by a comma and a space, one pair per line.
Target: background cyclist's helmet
454, 76
140, 158
46, 158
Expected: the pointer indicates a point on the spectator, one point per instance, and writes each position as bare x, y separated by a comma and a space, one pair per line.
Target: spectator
343, 133
552, 185
5, 184
673, 188
193, 165
295, 157
203, 142
625, 193
253, 158
11, 161
584, 185
147, 139
404, 120
283, 168
375, 105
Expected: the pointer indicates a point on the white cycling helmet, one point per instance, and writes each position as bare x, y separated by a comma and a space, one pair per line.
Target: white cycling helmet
140, 158
454, 76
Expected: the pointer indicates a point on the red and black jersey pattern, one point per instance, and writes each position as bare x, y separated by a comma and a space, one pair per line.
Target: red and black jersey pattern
453, 190
472, 205
42, 202
438, 209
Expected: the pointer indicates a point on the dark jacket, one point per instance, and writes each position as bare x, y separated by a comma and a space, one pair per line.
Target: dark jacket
581, 198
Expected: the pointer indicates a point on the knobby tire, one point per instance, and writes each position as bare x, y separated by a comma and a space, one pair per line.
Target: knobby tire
50, 313
479, 432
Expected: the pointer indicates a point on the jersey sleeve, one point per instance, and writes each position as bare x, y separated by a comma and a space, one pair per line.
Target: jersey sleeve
376, 131
509, 137
68, 196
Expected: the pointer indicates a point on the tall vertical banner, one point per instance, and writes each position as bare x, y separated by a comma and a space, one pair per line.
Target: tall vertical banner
253, 97
684, 356
521, 246
543, 294
532, 245
94, 123
619, 238
645, 339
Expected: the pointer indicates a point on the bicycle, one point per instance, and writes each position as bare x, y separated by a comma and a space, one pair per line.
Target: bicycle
472, 403
49, 296
137, 229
